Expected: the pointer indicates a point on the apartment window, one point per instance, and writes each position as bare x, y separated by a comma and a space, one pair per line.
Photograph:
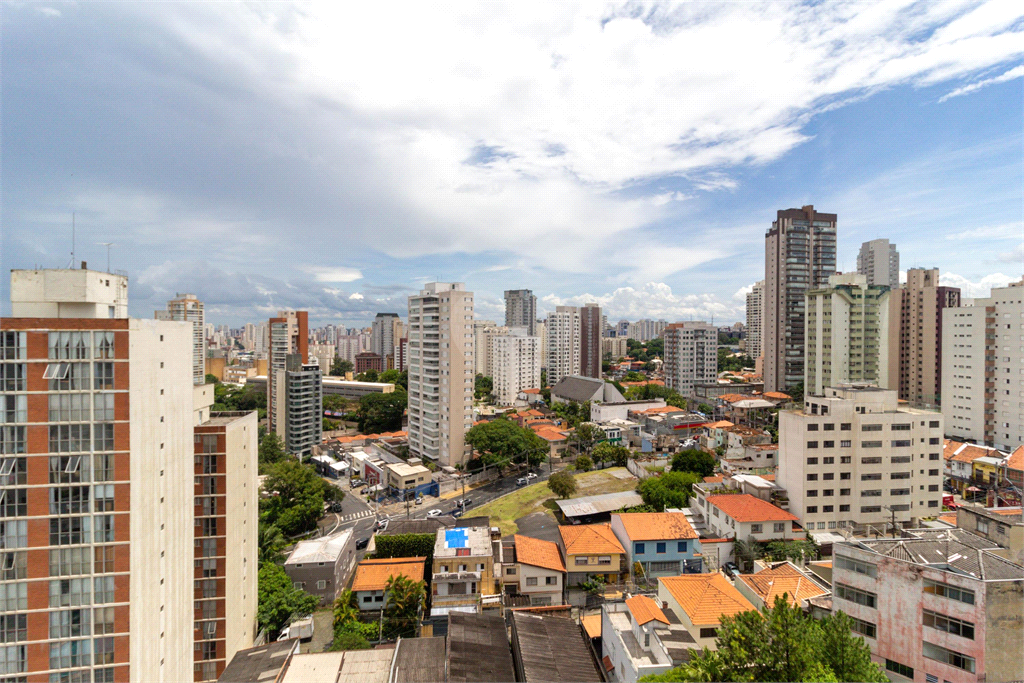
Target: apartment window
13, 408
660, 548
755, 528
103, 497
12, 439
871, 428
812, 444
70, 653
103, 437
551, 580
581, 560
209, 649
865, 568
209, 443
69, 407
69, 438
67, 376
209, 608
12, 345
69, 500
867, 509
828, 476
812, 493
13, 534
13, 566
208, 546
901, 669
13, 596
951, 657
103, 469
209, 587
13, 627
69, 345
681, 546
71, 623
950, 592
933, 456
709, 633
902, 443
865, 628
103, 559
209, 526
812, 461
12, 377
829, 444
871, 444
940, 622
933, 441
71, 561
779, 527
103, 344
639, 548
845, 508
103, 589
103, 651
531, 580
103, 529
812, 509
812, 477
70, 530
604, 559
104, 376
70, 592
851, 594
899, 475
845, 459
13, 502
210, 569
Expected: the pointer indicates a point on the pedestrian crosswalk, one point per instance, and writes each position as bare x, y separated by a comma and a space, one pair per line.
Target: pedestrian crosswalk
357, 515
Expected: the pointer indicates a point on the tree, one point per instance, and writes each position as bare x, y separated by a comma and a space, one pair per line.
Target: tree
634, 376
279, 600
345, 609
211, 379
271, 450
562, 484
502, 442
584, 464
296, 498
669, 490
719, 451
705, 408
648, 366
647, 392
586, 435
847, 655
746, 552
370, 375
336, 404
730, 363
402, 603
609, 452
349, 639
482, 387
390, 376
656, 347
340, 366
381, 412
694, 460
269, 542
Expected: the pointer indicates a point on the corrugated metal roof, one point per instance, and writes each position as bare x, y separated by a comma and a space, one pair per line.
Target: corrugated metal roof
420, 660
552, 649
592, 505
478, 649
366, 666
314, 666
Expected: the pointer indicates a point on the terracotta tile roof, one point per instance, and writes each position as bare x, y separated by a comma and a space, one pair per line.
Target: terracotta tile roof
769, 477
721, 424
660, 411
969, 452
706, 598
373, 575
538, 553
948, 518
778, 395
592, 625
590, 539
530, 391
1007, 512
550, 434
744, 507
715, 479
732, 398
785, 579
644, 610
655, 526
1016, 459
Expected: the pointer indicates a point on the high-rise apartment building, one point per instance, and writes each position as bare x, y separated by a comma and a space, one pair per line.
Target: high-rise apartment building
847, 334
402, 354
521, 310
97, 484
755, 317
563, 351
348, 347
188, 308
387, 330
300, 409
591, 331
691, 355
879, 261
855, 457
983, 369
483, 332
324, 355
915, 347
800, 255
441, 368
622, 328
542, 334
515, 364
289, 333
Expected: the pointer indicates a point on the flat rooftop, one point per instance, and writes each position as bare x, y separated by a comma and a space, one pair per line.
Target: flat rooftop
463, 542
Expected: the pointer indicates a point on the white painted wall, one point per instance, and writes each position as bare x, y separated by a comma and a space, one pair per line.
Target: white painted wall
241, 516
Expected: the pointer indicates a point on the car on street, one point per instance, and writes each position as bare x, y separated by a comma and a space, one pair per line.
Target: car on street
362, 543
382, 524
419, 500
522, 481
531, 475
434, 513
463, 503
356, 483
731, 569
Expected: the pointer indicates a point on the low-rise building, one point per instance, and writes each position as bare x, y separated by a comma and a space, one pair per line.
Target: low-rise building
463, 570
369, 361
372, 576
538, 570
700, 601
321, 567
639, 639
738, 438
743, 516
780, 578
579, 389
1002, 526
407, 480
478, 649
959, 458
661, 543
933, 609
759, 459
551, 648
592, 550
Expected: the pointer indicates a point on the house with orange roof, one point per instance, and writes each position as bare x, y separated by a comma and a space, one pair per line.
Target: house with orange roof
558, 440
592, 550
776, 397
743, 516
713, 434
782, 578
960, 459
662, 543
700, 601
538, 570
372, 576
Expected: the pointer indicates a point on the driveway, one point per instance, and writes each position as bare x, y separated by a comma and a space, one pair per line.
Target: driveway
539, 525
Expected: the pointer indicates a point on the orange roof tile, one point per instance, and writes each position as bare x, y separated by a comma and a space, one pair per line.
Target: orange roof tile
732, 398
529, 391
777, 395
550, 434
1016, 459
644, 610
592, 625
721, 424
661, 410
715, 479
1006, 512
769, 477
969, 452
538, 553
769, 583
590, 539
948, 518
744, 507
373, 575
655, 526
706, 598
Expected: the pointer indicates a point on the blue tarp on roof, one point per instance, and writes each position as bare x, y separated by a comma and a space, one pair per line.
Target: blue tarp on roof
455, 538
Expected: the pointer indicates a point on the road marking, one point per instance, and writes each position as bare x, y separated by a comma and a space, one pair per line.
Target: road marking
357, 515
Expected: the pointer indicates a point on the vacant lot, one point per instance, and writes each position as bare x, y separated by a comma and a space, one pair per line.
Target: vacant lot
506, 510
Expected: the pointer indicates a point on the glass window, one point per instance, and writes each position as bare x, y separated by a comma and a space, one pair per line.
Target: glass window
852, 594
661, 547
103, 437
13, 408
72, 623
104, 344
71, 561
951, 657
103, 407
12, 376
12, 345
13, 596
70, 653
13, 534
866, 568
12, 439
71, 438
104, 378
70, 530
13, 502
901, 669
69, 592
681, 546
950, 592
68, 376
103, 589
639, 548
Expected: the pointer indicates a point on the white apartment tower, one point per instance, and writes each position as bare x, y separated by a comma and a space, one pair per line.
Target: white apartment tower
387, 330
288, 333
848, 332
983, 369
515, 364
563, 352
691, 355
441, 366
188, 308
755, 313
521, 310
879, 261
483, 332
799, 255
855, 457
299, 408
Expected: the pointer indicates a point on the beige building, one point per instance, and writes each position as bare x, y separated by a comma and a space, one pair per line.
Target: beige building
563, 350
289, 334
188, 308
324, 355
983, 369
463, 570
616, 346
514, 365
800, 255
854, 458
755, 320
700, 601
879, 262
441, 363
1003, 526
848, 332
521, 310
482, 340
915, 345
534, 568
691, 355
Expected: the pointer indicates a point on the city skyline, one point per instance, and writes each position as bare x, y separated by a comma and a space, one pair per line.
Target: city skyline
341, 194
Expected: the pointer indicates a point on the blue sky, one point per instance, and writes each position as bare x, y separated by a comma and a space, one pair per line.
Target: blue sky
333, 158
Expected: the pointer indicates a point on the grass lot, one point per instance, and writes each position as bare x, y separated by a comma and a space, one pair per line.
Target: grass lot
539, 498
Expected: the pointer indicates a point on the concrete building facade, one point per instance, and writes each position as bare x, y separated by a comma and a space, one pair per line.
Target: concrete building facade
521, 310
441, 363
387, 330
563, 350
289, 333
515, 365
591, 331
755, 319
848, 332
800, 255
983, 369
855, 457
300, 406
879, 262
188, 308
691, 355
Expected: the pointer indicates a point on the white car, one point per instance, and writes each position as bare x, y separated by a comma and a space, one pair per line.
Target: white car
434, 513
531, 475
382, 524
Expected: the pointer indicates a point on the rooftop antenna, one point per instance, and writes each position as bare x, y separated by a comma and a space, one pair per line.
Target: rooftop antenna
108, 245
72, 263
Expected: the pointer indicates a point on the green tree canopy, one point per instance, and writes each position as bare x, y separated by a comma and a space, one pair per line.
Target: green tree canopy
562, 484
583, 464
297, 497
669, 490
609, 452
211, 379
482, 387
647, 392
370, 375
337, 404
694, 460
502, 442
390, 376
729, 363
278, 600
381, 412
403, 600
572, 412
271, 450
634, 376
269, 542
340, 366
585, 436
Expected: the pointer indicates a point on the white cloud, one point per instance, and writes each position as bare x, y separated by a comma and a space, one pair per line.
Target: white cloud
355, 296
653, 300
335, 274
1004, 231
1016, 72
976, 289
49, 11
741, 293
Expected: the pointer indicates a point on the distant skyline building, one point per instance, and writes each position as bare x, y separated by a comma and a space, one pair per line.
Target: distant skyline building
563, 350
591, 332
800, 255
441, 365
289, 333
521, 310
691, 355
515, 364
755, 320
188, 308
387, 330
880, 262
324, 355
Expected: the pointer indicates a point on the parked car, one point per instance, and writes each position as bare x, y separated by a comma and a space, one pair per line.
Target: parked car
731, 569
336, 506
419, 500
382, 524
362, 543
522, 481
434, 513
531, 475
463, 503
356, 483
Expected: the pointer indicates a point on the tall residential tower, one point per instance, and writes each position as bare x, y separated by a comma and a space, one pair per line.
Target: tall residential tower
521, 310
563, 351
289, 333
591, 332
755, 317
186, 307
879, 261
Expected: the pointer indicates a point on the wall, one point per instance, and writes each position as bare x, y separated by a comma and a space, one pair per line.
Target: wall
1004, 631
241, 501
541, 590
665, 596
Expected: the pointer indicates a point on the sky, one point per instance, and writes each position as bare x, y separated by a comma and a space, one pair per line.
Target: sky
334, 157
